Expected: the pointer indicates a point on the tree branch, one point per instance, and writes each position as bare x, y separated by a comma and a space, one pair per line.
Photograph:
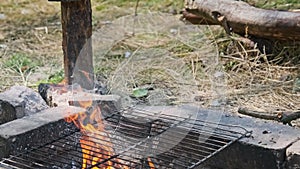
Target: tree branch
284, 117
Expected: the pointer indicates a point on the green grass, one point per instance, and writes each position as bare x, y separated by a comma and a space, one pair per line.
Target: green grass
54, 78
21, 63
149, 4
276, 4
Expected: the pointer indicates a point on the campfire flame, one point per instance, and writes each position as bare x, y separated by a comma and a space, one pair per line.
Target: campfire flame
95, 143
151, 164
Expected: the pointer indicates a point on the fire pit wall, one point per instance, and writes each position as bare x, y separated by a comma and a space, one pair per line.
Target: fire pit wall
26, 120
271, 145
35, 130
19, 101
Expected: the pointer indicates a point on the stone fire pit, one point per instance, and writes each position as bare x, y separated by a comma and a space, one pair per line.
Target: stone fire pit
271, 145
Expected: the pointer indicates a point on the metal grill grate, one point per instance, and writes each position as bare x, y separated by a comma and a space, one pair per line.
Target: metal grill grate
138, 141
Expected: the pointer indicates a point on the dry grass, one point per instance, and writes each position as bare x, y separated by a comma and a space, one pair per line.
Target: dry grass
253, 79
264, 83
187, 64
30, 29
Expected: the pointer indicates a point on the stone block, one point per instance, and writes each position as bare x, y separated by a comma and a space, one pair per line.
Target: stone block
265, 149
35, 130
19, 101
293, 156
7, 111
271, 145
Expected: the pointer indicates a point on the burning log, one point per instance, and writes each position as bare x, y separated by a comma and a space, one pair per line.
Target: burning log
241, 18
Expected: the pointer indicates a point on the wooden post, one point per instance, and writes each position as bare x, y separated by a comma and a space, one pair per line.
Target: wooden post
76, 18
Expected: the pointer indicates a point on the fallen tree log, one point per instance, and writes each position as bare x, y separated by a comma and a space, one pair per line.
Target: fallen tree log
243, 19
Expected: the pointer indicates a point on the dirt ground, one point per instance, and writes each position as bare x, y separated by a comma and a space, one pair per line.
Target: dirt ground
30, 53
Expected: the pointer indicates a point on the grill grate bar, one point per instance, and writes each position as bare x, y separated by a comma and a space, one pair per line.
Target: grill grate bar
189, 144
200, 161
143, 141
202, 156
133, 143
18, 162
198, 122
58, 158
9, 163
40, 157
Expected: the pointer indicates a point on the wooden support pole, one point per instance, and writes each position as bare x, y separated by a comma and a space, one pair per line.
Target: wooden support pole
76, 17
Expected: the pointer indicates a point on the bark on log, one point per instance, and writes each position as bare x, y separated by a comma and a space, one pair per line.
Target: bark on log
243, 19
77, 43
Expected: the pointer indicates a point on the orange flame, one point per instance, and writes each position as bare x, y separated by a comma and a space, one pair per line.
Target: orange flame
95, 144
95, 147
151, 165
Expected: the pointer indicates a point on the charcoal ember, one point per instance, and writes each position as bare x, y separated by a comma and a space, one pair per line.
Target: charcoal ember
19, 101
